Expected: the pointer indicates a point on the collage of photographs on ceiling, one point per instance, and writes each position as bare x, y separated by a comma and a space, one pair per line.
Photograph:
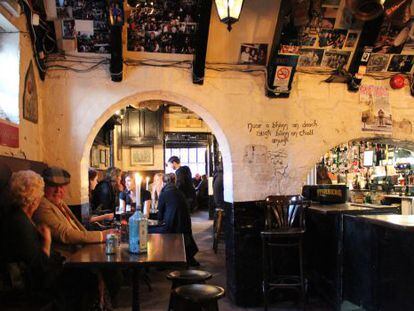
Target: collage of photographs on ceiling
87, 22
162, 26
328, 37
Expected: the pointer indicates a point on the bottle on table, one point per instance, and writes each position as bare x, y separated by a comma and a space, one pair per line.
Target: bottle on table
138, 233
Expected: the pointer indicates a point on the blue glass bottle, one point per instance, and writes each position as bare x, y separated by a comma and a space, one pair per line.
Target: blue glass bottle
134, 224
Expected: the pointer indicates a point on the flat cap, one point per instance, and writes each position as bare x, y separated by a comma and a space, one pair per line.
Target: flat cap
56, 176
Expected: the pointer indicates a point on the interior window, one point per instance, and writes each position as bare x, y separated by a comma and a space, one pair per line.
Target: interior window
9, 73
194, 158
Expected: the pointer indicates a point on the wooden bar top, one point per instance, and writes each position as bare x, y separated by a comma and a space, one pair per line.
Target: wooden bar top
396, 196
401, 222
338, 208
376, 206
163, 250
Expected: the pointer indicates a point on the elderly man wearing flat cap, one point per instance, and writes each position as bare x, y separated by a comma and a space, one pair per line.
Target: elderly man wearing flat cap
54, 212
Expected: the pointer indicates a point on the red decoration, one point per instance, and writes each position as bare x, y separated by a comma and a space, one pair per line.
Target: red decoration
9, 135
397, 82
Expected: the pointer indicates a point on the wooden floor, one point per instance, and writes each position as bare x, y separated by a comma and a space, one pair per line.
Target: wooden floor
157, 300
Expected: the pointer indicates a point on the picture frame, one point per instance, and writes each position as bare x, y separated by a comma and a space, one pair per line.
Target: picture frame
30, 106
119, 142
95, 157
142, 156
102, 157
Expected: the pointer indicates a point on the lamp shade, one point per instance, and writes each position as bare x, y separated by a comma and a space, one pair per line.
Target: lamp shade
229, 11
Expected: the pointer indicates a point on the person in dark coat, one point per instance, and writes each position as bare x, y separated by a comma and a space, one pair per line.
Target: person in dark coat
173, 217
106, 194
184, 181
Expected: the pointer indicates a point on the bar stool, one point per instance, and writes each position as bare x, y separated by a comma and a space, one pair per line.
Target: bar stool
198, 297
185, 277
285, 228
218, 226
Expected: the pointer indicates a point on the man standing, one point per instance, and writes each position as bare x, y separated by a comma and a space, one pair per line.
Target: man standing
184, 181
173, 217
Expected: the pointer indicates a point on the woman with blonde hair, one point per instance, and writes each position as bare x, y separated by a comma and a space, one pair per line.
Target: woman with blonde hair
128, 196
156, 189
22, 242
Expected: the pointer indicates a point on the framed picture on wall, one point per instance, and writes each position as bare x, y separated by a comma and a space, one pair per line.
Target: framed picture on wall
94, 157
102, 157
119, 142
142, 156
30, 110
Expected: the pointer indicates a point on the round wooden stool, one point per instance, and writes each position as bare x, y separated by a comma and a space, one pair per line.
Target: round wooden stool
185, 277
198, 297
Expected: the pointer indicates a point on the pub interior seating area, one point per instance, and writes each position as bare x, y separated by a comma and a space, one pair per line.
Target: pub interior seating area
206, 155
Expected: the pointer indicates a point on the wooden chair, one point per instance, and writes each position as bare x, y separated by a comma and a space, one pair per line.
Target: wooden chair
285, 228
218, 228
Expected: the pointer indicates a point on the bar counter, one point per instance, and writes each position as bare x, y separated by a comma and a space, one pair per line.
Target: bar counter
399, 222
324, 245
378, 261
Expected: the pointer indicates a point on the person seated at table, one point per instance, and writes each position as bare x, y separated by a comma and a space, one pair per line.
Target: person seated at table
106, 194
54, 212
128, 196
174, 217
25, 243
65, 228
93, 181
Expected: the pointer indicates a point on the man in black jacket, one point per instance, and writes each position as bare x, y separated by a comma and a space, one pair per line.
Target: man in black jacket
184, 181
173, 217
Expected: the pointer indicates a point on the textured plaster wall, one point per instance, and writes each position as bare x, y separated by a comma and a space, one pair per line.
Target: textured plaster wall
30, 140
78, 105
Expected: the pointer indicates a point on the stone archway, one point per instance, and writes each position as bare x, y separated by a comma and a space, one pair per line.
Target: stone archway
168, 97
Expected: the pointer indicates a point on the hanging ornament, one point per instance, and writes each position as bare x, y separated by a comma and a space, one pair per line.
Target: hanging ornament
397, 82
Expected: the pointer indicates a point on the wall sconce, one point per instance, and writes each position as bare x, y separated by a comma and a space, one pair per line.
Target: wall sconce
229, 11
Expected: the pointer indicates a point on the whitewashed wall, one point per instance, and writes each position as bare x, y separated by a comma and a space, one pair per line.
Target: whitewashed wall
74, 106
77, 105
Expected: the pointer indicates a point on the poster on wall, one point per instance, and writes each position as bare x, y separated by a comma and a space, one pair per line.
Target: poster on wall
9, 135
30, 110
163, 26
377, 117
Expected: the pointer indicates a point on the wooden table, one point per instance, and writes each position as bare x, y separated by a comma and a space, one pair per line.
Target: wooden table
164, 250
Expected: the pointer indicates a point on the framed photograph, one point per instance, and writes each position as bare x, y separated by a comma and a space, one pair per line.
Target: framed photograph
102, 157
68, 29
30, 110
142, 156
94, 156
254, 53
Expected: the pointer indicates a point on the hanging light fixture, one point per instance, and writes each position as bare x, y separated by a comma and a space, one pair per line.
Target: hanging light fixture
229, 11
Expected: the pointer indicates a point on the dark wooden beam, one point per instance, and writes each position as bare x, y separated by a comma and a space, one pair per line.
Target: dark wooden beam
368, 36
116, 64
285, 9
199, 63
